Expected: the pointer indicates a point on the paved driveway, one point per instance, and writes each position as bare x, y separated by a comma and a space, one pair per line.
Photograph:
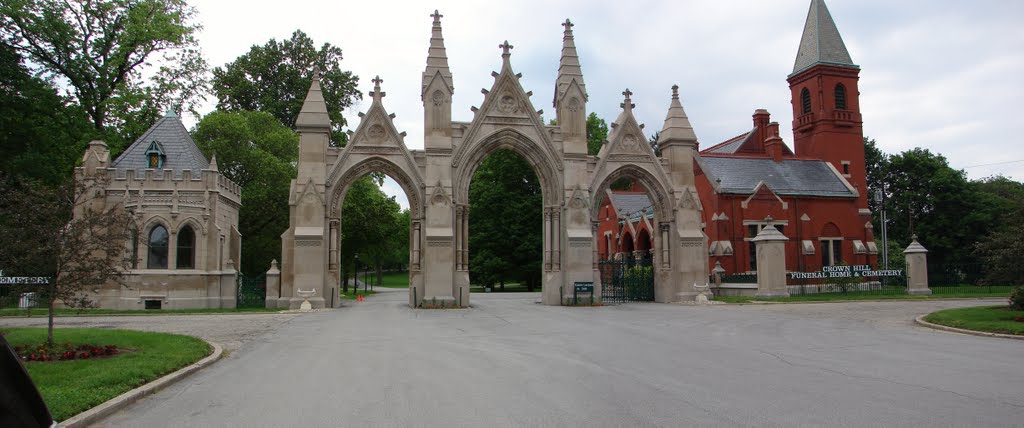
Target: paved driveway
511, 362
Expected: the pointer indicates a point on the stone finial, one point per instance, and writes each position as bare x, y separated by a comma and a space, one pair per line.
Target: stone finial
769, 220
718, 268
915, 247
213, 162
437, 17
377, 94
568, 27
677, 129
506, 49
675, 92
437, 58
569, 69
316, 73
627, 104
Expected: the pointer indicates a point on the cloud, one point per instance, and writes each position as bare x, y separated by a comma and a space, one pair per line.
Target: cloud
939, 74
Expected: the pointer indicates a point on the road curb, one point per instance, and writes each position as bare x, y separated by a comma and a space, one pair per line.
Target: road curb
148, 314
920, 321
933, 299
94, 414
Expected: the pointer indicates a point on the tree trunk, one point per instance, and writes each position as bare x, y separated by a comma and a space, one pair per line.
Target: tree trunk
503, 284
49, 330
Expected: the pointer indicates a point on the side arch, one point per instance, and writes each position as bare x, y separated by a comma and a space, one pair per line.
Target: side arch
407, 180
657, 189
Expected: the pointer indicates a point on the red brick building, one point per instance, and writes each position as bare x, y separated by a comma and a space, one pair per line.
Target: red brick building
816, 194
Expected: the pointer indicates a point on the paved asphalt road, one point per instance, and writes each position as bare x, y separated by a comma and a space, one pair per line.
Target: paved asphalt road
510, 362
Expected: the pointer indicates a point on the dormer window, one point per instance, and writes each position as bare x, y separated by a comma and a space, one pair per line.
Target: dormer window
155, 156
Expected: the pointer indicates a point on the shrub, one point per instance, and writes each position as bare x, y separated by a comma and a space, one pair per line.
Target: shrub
1017, 298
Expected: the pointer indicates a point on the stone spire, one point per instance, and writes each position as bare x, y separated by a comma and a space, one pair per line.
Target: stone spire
213, 163
568, 66
821, 42
314, 109
437, 57
677, 127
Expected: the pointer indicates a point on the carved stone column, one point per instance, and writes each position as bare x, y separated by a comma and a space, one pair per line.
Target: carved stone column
666, 256
547, 239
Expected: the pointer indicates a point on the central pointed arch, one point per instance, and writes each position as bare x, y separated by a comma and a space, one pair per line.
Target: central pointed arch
543, 165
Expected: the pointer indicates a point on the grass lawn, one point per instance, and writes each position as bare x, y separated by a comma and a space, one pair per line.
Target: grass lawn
360, 292
509, 288
71, 387
395, 280
994, 319
834, 297
12, 312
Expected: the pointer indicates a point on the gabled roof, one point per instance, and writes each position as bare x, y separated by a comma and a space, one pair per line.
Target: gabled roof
791, 177
178, 148
821, 42
629, 204
738, 143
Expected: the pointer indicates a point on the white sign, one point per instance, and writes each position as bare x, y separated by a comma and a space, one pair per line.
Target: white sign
857, 271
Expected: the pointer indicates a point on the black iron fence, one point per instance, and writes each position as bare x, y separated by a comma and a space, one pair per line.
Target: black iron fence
627, 280
252, 291
963, 279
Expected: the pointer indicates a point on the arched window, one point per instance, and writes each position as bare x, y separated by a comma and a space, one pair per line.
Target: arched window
186, 248
157, 248
805, 100
840, 97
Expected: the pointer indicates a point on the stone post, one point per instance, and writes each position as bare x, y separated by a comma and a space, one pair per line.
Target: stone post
718, 271
917, 268
229, 286
771, 262
273, 285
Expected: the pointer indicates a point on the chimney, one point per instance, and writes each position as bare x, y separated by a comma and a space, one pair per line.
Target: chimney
773, 144
761, 118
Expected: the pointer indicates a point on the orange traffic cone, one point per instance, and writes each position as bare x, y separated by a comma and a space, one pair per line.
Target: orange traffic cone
359, 298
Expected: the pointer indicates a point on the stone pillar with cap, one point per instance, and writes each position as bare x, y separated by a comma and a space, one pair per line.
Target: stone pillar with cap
771, 261
917, 268
273, 285
229, 286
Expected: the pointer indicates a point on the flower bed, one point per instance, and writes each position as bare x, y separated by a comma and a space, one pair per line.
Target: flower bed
65, 352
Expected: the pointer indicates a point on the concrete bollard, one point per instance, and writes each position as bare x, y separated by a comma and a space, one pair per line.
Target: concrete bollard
273, 285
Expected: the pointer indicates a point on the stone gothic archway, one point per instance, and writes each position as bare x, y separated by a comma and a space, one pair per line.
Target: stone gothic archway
436, 179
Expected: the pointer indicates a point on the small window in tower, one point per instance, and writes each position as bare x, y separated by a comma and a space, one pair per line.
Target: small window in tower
805, 100
846, 169
840, 97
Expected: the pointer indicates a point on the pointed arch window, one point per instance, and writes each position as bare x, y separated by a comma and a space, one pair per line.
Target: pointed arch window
840, 97
157, 257
186, 248
805, 101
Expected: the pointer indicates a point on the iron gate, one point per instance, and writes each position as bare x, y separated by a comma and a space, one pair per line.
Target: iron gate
627, 280
252, 291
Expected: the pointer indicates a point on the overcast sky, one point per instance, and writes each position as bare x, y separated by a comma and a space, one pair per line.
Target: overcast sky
938, 74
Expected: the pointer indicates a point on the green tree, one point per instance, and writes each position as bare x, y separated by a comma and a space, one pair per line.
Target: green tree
43, 134
258, 153
56, 232
597, 133
925, 196
373, 227
100, 49
505, 222
275, 78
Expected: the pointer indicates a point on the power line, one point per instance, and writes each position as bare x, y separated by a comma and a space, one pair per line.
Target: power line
993, 164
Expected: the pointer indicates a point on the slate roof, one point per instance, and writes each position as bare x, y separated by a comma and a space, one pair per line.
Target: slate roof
630, 203
821, 42
793, 177
730, 146
180, 151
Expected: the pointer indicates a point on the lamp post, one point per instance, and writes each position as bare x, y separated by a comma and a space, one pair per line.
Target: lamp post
880, 200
